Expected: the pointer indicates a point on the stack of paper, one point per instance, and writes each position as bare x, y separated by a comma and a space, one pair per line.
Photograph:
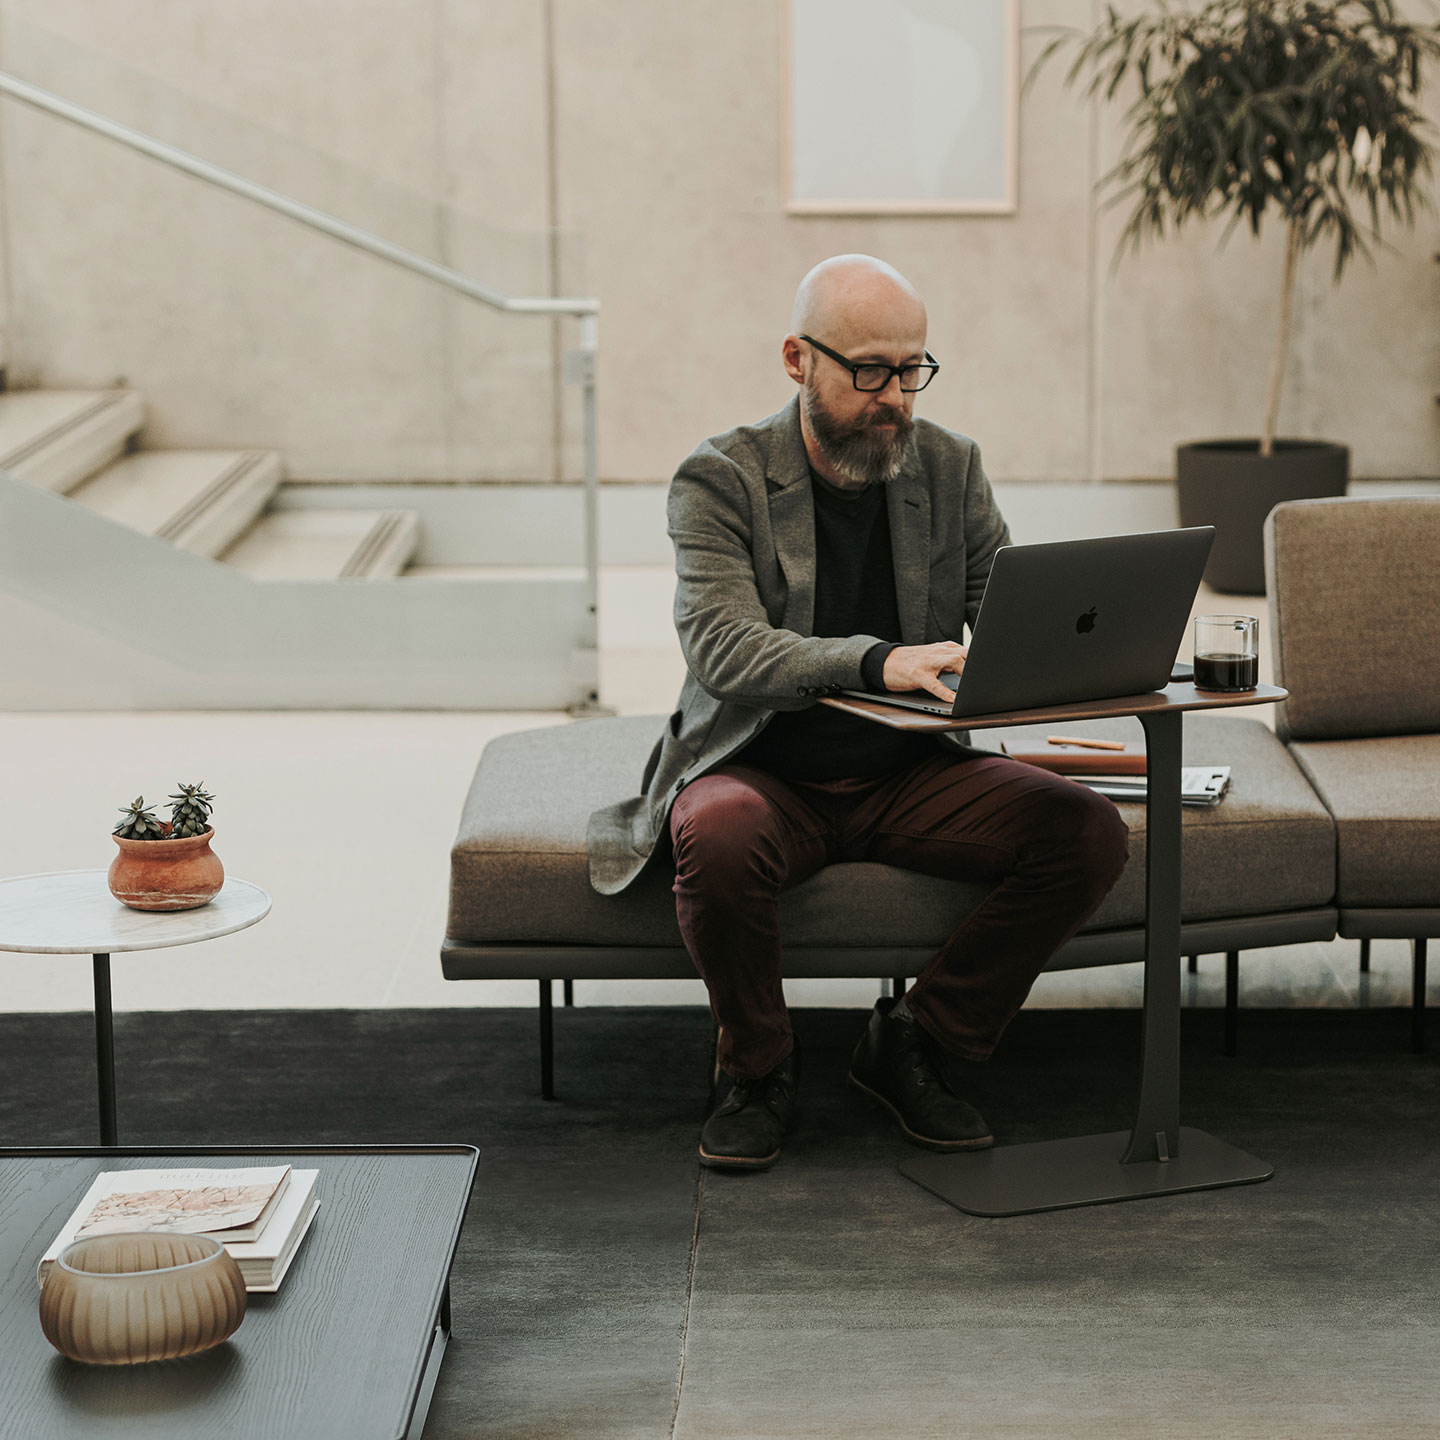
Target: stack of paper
260, 1215
1117, 768
1199, 785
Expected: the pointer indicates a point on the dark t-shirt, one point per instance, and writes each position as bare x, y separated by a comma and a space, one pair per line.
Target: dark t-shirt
854, 595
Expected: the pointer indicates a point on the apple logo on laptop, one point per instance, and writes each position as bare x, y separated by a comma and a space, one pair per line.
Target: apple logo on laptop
1086, 623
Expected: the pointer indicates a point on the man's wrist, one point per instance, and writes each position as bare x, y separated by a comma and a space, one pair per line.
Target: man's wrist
872, 664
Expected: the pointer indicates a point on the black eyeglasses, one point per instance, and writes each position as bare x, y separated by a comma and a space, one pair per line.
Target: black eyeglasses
872, 376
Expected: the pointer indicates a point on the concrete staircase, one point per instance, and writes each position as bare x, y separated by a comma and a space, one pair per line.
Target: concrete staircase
214, 503
203, 579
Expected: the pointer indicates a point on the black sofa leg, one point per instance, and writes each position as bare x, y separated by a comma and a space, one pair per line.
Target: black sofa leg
1417, 999
547, 1042
1194, 964
569, 992
1364, 957
1232, 1000
897, 986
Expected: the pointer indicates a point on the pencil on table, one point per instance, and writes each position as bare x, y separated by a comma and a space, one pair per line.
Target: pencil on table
1085, 744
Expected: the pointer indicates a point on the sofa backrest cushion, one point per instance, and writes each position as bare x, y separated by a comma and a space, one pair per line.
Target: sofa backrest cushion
1354, 591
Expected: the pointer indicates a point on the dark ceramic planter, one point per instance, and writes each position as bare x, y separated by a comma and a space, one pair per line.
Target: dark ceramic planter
1228, 484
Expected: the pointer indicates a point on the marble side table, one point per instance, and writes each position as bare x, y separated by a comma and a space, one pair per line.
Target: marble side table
72, 912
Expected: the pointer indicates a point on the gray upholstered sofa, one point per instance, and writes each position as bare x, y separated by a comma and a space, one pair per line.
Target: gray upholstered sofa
1331, 827
1354, 590
1258, 870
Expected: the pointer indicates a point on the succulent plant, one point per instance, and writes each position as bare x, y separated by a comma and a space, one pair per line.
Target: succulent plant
139, 823
190, 814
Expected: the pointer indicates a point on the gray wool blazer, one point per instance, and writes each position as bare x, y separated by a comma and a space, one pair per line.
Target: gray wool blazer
742, 520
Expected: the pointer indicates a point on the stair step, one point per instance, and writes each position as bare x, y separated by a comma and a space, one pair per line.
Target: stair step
386, 549
494, 572
56, 438
326, 545
200, 500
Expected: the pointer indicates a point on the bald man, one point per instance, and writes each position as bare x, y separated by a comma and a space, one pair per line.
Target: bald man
843, 544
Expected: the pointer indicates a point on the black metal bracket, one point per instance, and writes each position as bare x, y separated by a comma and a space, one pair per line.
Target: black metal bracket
547, 1042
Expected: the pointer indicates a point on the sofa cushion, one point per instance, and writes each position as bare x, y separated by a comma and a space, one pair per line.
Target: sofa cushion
519, 872
1355, 598
1384, 793
1269, 846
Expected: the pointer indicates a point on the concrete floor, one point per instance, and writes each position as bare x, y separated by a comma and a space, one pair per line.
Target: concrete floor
606, 1288
347, 819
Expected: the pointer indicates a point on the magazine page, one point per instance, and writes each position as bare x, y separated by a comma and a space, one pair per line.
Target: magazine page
199, 1203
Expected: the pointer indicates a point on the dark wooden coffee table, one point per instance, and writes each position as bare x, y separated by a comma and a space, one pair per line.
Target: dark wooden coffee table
349, 1349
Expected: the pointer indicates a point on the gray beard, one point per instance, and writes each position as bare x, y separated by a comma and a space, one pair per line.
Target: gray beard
857, 451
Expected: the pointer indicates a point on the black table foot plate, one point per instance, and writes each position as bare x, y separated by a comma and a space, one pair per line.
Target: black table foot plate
1085, 1170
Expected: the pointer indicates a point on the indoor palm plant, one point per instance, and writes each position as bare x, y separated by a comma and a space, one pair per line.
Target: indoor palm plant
1302, 110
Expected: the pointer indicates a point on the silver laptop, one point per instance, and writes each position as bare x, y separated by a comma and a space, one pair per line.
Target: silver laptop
1073, 621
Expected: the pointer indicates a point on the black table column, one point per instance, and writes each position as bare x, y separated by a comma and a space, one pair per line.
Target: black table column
105, 1050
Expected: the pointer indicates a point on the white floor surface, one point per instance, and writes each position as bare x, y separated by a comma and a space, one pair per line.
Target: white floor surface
347, 819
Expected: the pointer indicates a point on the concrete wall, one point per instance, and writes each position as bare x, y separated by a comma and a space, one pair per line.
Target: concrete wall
652, 129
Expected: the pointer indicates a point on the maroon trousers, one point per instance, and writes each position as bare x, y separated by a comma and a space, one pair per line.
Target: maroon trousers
1052, 849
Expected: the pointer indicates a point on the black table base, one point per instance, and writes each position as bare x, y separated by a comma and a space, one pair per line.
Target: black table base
1086, 1170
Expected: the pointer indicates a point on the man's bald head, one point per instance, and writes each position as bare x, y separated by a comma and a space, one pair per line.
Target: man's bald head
855, 310
851, 295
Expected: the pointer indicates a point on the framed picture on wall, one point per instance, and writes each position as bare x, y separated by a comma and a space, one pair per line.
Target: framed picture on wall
898, 107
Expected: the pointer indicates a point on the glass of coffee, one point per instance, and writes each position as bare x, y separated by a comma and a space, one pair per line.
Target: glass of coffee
1227, 652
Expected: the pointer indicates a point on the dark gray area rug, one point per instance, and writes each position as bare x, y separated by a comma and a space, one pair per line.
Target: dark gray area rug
604, 1288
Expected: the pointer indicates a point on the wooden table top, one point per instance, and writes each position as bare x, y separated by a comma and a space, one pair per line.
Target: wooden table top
1179, 695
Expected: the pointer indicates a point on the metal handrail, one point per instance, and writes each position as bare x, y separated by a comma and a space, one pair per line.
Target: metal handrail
337, 229
585, 309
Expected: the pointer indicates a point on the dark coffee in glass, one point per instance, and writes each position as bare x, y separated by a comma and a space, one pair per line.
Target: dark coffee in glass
1226, 672
1227, 652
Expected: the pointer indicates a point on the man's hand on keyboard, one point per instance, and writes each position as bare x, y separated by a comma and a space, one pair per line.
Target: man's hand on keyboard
918, 667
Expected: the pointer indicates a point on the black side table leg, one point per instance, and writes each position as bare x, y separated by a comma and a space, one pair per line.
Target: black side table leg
547, 1042
1232, 1001
105, 1050
1158, 1157
1156, 1135
1417, 998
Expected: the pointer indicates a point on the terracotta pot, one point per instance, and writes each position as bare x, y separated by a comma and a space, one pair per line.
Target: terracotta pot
166, 874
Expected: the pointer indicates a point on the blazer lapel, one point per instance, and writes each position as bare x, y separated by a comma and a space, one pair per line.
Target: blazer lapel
907, 500
792, 520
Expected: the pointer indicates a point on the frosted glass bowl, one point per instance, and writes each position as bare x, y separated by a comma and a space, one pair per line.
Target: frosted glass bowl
127, 1298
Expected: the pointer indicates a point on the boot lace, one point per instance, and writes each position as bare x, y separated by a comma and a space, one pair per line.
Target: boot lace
772, 1091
